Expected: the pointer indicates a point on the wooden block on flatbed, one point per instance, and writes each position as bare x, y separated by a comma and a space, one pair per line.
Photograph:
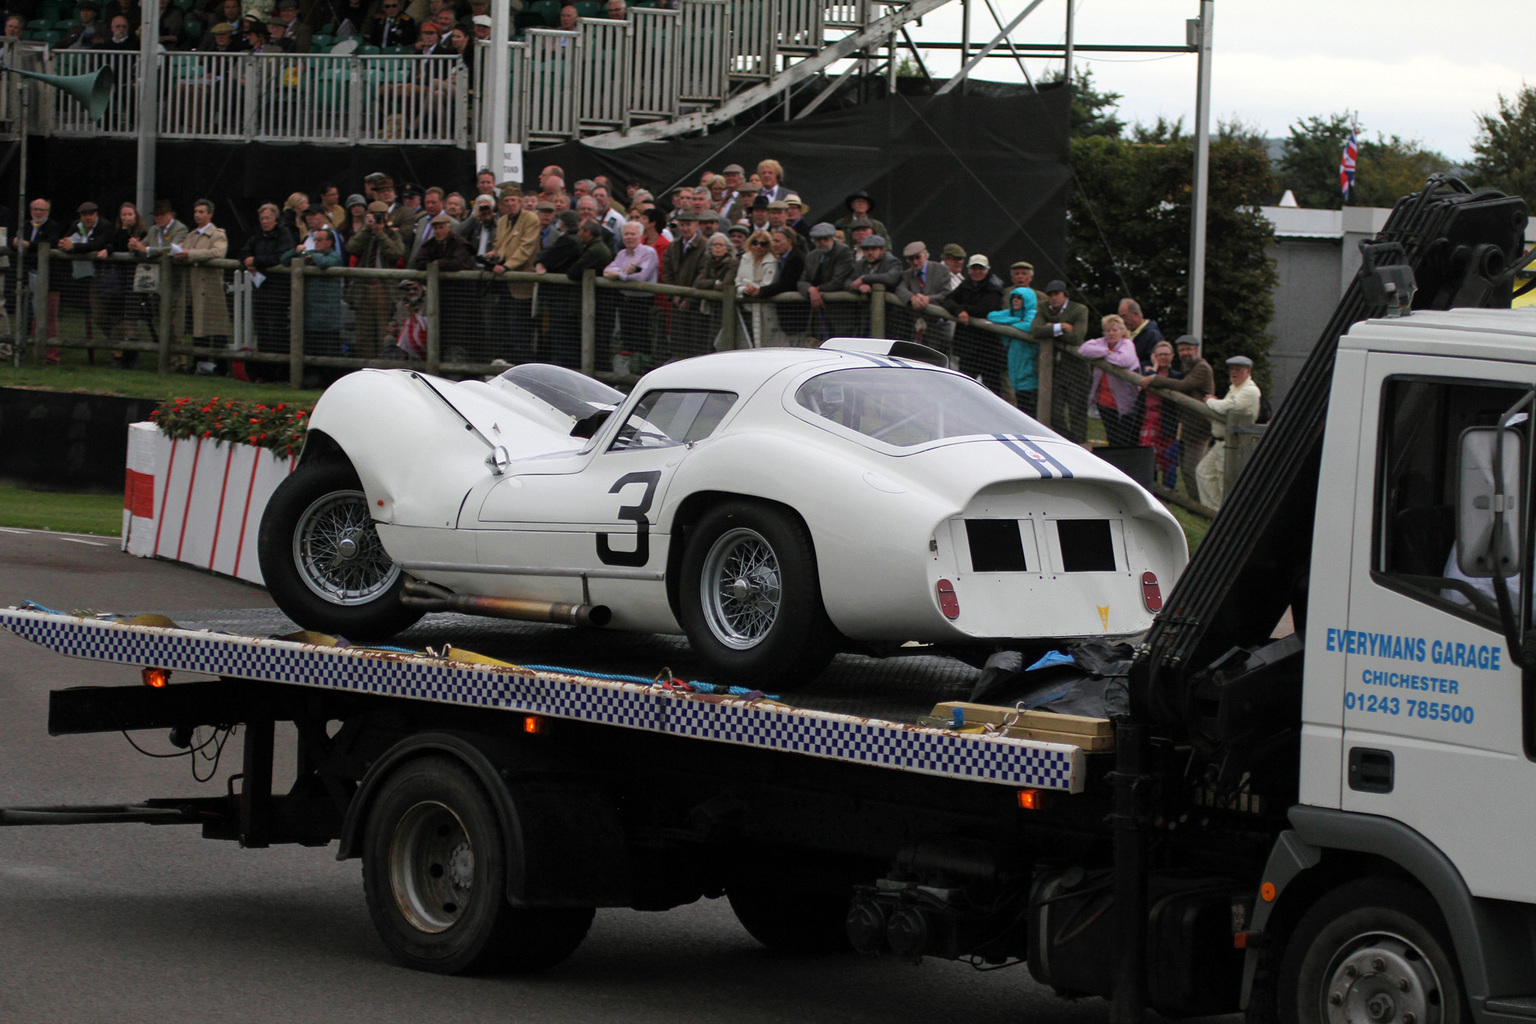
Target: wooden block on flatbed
1042, 721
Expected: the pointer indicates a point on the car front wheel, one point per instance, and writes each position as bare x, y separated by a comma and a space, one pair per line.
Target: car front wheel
750, 600
322, 560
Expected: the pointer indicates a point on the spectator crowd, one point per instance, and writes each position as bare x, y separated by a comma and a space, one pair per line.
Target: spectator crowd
405, 27
736, 232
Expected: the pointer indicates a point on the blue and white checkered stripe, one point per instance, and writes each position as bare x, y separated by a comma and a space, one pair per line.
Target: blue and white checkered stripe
981, 757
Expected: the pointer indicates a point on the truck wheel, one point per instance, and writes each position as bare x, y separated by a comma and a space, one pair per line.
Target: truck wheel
321, 558
435, 877
1372, 950
750, 601
791, 921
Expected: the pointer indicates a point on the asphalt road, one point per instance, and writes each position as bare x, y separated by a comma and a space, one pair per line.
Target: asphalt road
142, 923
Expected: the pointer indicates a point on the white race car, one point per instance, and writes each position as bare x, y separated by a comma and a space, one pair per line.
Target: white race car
775, 505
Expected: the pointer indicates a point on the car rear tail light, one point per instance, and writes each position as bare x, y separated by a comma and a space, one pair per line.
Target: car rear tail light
949, 604
1151, 592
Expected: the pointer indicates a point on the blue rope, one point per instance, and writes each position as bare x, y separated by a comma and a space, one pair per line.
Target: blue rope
42, 608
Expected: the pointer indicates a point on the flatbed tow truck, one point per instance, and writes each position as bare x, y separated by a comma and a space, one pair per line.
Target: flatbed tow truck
1330, 825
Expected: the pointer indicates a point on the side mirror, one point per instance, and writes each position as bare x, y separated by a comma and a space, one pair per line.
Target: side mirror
498, 460
1488, 502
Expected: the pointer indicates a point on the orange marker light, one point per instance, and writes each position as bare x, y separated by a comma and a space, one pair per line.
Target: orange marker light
1240, 940
156, 677
1267, 892
533, 725
1031, 800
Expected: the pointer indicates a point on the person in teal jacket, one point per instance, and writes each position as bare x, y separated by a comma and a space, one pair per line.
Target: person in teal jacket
1023, 354
322, 295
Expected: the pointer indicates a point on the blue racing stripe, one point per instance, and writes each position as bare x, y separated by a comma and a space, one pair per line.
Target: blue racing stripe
1066, 474
1038, 464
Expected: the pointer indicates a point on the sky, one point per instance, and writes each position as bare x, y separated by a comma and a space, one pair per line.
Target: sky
1416, 69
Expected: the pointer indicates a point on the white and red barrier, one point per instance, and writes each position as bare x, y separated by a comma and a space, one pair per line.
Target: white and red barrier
197, 501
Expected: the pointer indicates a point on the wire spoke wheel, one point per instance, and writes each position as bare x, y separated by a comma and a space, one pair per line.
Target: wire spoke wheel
741, 588
337, 550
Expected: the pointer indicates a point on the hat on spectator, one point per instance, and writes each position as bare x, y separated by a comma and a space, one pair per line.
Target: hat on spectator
914, 249
861, 222
509, 190
1242, 361
411, 190
1188, 339
1060, 286
979, 260
441, 218
761, 202
740, 229
377, 207
374, 178
164, 206
355, 200
954, 252
794, 200
223, 28
483, 19
87, 207
257, 27
733, 169
484, 200
778, 204
1022, 265
544, 206
823, 230
570, 220
860, 194
873, 242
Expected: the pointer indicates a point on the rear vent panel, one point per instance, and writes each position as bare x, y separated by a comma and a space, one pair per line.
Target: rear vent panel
1086, 545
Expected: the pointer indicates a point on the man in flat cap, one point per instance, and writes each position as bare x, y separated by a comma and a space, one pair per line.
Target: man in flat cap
828, 271
875, 265
1058, 319
923, 281
461, 319
1239, 406
294, 29
379, 246
680, 265
221, 38
517, 246
89, 32
88, 236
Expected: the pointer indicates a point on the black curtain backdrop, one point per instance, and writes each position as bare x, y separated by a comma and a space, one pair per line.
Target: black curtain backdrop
989, 172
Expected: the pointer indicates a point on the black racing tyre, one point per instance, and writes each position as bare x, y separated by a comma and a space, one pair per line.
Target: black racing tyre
1372, 950
792, 921
435, 877
322, 560
749, 598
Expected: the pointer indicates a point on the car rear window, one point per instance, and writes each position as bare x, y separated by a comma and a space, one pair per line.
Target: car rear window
907, 406
664, 418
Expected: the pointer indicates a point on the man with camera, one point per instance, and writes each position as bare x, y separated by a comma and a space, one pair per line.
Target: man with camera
460, 316
379, 247
479, 231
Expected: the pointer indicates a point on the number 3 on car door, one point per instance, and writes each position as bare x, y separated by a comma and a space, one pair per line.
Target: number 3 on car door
635, 514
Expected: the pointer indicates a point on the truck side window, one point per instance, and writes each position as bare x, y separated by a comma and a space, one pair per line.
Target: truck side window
1421, 424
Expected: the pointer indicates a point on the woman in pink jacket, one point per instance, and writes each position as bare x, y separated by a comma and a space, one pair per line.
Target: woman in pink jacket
1115, 398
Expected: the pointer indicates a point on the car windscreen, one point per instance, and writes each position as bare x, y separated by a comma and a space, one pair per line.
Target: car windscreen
572, 393
905, 406
664, 418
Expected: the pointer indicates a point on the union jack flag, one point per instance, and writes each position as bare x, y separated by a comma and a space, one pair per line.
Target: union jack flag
1347, 165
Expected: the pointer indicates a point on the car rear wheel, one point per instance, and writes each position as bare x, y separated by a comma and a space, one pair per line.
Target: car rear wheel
750, 600
322, 560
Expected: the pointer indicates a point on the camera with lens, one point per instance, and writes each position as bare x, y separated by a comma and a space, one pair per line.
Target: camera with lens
490, 261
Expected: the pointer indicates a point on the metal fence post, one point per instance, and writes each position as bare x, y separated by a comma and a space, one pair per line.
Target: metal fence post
588, 321
877, 311
434, 319
728, 321
40, 306
167, 307
1045, 368
296, 321
1229, 456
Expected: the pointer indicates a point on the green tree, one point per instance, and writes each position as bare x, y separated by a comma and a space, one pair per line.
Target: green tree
1093, 112
1386, 168
1506, 145
1128, 223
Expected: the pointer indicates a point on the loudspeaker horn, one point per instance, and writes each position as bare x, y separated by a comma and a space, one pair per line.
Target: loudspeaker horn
93, 92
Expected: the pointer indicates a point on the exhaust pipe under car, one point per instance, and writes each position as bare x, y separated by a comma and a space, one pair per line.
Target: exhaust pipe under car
429, 597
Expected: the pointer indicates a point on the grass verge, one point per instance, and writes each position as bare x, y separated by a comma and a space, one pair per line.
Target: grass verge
100, 514
75, 374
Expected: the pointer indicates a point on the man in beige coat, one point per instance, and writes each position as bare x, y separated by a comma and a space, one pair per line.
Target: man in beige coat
517, 243
210, 315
